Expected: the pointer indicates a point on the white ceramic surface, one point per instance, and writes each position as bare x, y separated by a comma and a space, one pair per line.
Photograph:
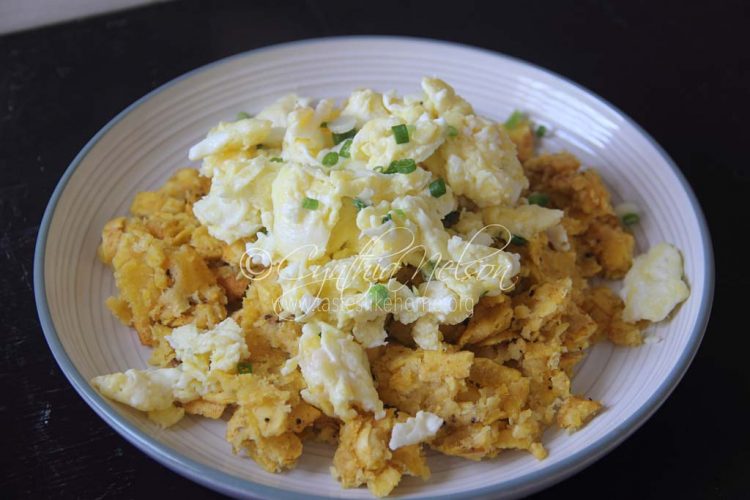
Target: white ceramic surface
143, 145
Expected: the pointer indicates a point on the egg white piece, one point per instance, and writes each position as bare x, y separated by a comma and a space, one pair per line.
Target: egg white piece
204, 356
654, 285
424, 425
337, 372
145, 390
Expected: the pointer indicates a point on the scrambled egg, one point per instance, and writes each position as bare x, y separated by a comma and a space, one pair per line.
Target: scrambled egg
239, 136
374, 143
238, 199
144, 390
311, 217
524, 220
416, 429
337, 372
654, 286
203, 354
386, 274
207, 358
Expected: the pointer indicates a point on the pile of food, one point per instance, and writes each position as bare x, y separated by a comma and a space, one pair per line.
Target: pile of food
386, 274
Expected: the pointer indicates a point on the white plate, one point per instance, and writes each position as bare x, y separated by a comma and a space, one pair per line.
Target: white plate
143, 145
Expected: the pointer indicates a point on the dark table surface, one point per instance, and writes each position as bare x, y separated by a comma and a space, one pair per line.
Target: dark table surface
681, 71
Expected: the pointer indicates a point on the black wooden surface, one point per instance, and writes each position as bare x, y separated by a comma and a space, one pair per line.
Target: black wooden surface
681, 71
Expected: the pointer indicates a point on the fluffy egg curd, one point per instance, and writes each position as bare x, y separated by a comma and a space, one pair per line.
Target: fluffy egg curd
386, 274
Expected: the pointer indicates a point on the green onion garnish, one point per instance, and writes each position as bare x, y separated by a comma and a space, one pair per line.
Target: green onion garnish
518, 240
330, 159
344, 151
378, 294
276, 159
310, 203
540, 131
437, 188
259, 146
324, 125
386, 218
630, 219
514, 120
244, 367
401, 134
243, 116
451, 218
405, 166
540, 199
452, 131
359, 204
400, 213
338, 138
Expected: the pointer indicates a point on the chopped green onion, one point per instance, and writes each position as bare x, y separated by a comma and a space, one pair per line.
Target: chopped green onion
378, 294
259, 146
330, 159
324, 125
310, 203
405, 166
339, 138
359, 204
401, 134
344, 151
540, 131
244, 367
276, 159
630, 219
380, 169
540, 199
514, 120
452, 131
437, 188
243, 116
626, 207
450, 219
389, 216
518, 240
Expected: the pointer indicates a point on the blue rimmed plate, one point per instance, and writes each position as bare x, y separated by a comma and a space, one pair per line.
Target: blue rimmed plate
143, 145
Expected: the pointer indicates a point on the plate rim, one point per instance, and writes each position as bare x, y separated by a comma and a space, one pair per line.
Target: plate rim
224, 482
